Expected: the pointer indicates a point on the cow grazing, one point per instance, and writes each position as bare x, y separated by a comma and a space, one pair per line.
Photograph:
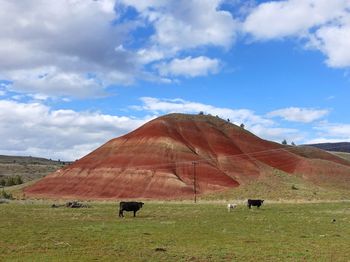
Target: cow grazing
129, 206
231, 206
255, 202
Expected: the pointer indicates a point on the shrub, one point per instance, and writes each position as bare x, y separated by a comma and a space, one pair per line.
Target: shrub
18, 180
294, 187
5, 195
10, 181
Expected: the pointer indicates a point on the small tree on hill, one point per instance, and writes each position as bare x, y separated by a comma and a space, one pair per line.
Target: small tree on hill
284, 142
242, 125
10, 181
293, 144
5, 195
18, 180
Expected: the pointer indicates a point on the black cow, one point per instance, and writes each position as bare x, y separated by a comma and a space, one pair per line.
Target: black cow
129, 206
255, 202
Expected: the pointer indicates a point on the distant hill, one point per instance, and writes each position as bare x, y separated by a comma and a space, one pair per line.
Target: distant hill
29, 168
334, 147
176, 155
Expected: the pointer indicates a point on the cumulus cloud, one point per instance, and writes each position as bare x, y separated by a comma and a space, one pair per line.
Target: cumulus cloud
53, 47
323, 24
295, 114
35, 129
186, 18
328, 132
54, 83
38, 130
334, 131
277, 134
189, 67
334, 42
80, 47
259, 125
164, 106
275, 19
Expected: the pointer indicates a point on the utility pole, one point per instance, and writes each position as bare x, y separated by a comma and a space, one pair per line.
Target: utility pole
194, 181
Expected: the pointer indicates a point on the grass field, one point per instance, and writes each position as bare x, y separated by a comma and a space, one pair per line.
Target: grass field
278, 185
32, 231
346, 156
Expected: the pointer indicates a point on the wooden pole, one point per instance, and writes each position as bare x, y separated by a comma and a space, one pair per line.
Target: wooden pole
194, 182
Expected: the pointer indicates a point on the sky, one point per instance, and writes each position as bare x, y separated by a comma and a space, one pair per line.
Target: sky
77, 73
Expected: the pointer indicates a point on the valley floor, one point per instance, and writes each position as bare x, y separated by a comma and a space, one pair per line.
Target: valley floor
33, 231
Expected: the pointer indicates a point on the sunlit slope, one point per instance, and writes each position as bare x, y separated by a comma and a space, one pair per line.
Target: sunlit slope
159, 160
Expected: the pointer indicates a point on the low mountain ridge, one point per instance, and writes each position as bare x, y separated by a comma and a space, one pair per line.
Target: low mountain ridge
334, 147
28, 167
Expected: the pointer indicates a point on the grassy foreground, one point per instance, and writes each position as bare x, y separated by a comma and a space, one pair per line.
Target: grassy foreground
175, 232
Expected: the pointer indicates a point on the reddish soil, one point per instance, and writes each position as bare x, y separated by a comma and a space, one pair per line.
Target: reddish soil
156, 161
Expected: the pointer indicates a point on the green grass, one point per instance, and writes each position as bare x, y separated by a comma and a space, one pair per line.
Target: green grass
185, 232
278, 185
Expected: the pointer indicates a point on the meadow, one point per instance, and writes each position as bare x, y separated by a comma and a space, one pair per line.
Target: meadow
175, 231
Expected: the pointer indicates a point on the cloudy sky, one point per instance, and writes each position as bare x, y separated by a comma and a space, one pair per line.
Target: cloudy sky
76, 73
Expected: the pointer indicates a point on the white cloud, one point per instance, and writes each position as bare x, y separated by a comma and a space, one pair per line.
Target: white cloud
335, 130
277, 19
178, 105
319, 140
277, 134
198, 23
64, 41
37, 130
259, 125
295, 114
330, 133
70, 41
323, 24
189, 67
53, 83
334, 42
39, 97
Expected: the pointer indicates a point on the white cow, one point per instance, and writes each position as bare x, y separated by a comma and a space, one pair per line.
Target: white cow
231, 206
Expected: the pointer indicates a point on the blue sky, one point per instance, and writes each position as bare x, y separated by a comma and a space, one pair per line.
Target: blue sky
77, 73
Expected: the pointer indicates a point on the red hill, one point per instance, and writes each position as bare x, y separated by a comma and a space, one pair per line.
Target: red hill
156, 161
